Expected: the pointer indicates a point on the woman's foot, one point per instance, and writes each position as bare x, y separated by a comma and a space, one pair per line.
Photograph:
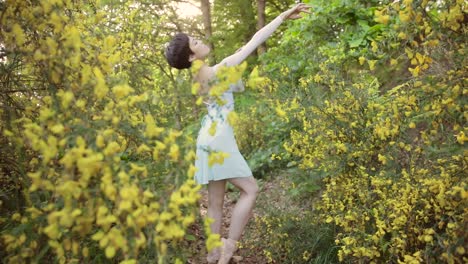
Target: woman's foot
214, 255
227, 250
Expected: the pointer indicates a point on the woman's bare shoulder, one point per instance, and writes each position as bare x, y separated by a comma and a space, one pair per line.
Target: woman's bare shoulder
206, 73
205, 76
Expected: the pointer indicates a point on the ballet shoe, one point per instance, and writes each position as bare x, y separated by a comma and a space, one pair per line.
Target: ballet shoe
227, 250
214, 255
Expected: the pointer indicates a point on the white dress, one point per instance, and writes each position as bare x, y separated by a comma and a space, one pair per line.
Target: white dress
222, 141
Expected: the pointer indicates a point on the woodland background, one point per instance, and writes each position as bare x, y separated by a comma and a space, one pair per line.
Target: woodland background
355, 116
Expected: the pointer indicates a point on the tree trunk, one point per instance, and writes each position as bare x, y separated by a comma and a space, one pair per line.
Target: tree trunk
247, 13
261, 22
206, 12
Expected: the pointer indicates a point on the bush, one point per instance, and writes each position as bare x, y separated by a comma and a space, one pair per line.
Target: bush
286, 229
382, 113
260, 132
103, 171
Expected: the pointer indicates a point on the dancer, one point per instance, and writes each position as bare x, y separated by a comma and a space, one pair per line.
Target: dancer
216, 136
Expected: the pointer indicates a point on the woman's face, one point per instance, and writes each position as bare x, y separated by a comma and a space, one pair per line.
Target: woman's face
199, 49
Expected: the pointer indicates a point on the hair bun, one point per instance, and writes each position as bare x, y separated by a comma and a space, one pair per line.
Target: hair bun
177, 51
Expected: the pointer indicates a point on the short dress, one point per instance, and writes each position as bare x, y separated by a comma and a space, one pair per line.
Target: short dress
221, 140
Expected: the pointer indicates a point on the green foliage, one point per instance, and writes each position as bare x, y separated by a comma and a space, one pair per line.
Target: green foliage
235, 22
381, 114
295, 238
260, 134
286, 228
97, 132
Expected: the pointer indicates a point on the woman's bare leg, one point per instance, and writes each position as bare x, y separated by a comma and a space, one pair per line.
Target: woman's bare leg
240, 215
216, 191
244, 206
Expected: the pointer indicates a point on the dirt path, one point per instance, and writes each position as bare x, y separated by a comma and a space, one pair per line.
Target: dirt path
243, 255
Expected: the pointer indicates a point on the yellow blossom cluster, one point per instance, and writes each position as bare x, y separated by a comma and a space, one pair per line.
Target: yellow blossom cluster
213, 240
225, 77
217, 158
389, 136
106, 174
288, 236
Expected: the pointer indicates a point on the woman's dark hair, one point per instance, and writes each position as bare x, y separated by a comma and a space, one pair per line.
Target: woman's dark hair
178, 52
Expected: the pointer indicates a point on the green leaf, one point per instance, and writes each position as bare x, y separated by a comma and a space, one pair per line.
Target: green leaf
355, 42
376, 28
190, 237
363, 24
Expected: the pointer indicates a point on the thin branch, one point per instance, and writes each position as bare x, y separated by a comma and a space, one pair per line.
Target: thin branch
22, 90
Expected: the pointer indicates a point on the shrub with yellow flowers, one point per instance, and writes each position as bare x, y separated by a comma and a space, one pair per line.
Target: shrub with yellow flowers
105, 174
383, 118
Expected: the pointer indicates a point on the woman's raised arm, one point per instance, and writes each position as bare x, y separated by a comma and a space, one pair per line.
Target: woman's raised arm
261, 36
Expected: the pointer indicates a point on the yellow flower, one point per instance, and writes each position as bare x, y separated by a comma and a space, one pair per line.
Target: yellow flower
112, 148
255, 80
173, 135
19, 34
405, 16
100, 89
120, 91
110, 252
157, 149
190, 156
371, 64
217, 157
125, 205
402, 35
213, 241
45, 114
233, 118
317, 78
191, 171
460, 250
362, 60
196, 88
461, 138
374, 45
174, 152
100, 141
212, 129
72, 37
66, 98
280, 112
143, 148
196, 65
151, 129
81, 104
57, 129
380, 17
52, 231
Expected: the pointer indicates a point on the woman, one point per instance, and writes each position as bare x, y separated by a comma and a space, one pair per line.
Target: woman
216, 137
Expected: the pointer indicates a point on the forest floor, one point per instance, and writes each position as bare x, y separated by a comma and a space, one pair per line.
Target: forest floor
273, 196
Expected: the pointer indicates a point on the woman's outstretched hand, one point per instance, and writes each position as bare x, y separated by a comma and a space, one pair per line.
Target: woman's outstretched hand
295, 12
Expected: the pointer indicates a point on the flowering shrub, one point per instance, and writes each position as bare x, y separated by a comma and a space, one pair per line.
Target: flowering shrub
382, 113
372, 91
105, 173
292, 237
260, 135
